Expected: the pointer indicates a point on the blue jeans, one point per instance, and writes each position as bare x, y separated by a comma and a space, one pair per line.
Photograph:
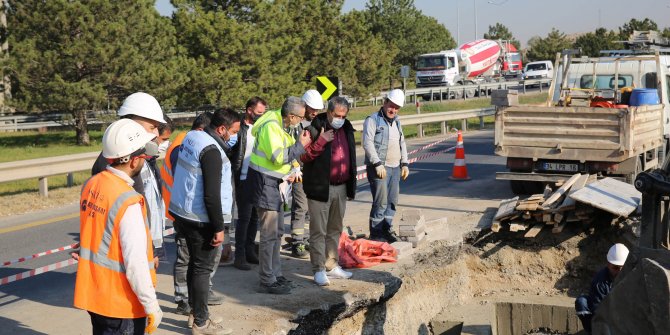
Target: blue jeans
384, 198
584, 313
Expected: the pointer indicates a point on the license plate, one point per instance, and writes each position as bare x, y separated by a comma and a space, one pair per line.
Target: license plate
561, 167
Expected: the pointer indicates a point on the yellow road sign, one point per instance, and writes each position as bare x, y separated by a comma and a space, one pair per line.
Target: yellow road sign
327, 86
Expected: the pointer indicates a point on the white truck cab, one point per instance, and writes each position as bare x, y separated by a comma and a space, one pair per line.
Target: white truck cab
437, 69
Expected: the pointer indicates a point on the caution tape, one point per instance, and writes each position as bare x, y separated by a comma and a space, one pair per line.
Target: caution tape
44, 253
37, 271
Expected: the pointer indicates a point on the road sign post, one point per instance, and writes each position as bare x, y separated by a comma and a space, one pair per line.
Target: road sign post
404, 73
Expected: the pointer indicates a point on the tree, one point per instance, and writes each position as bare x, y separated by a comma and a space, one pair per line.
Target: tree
79, 57
406, 29
546, 48
627, 29
501, 32
592, 43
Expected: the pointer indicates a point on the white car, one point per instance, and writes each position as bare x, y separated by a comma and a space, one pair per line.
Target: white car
543, 69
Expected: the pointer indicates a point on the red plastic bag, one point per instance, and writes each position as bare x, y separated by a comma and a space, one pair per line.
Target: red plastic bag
362, 253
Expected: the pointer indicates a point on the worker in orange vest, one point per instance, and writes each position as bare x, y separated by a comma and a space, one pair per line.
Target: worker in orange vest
116, 278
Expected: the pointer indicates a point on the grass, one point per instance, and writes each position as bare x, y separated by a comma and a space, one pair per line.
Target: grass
32, 144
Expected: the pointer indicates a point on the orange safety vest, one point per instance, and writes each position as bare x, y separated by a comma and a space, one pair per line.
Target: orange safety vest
167, 173
101, 286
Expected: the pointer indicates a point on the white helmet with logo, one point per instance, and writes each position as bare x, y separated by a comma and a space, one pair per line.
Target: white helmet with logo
617, 254
397, 97
123, 137
142, 104
312, 98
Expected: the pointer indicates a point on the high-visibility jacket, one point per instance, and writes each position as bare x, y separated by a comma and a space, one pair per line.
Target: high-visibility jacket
270, 152
101, 286
188, 192
167, 173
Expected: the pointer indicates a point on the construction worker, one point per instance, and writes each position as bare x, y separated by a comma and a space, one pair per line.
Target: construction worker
601, 285
145, 110
201, 204
313, 105
385, 156
115, 276
247, 217
182, 257
268, 178
329, 180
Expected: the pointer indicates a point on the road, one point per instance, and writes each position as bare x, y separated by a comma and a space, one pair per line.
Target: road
42, 304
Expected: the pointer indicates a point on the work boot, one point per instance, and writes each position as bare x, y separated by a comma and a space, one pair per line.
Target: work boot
241, 263
210, 328
275, 288
377, 235
298, 250
390, 236
252, 256
214, 298
285, 281
183, 308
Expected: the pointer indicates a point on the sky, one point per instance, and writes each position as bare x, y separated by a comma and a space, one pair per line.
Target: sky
525, 18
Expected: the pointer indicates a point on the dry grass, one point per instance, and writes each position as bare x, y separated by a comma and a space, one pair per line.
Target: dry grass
22, 203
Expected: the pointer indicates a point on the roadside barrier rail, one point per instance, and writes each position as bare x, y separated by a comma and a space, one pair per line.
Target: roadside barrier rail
42, 168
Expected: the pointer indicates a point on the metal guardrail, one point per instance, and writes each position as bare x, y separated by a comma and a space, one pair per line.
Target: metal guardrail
42, 168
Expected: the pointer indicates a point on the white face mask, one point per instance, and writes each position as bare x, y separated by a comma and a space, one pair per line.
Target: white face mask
337, 123
163, 147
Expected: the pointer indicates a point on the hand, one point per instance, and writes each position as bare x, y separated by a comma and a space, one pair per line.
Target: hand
404, 172
327, 135
291, 178
381, 171
217, 240
154, 319
156, 262
75, 255
305, 138
298, 178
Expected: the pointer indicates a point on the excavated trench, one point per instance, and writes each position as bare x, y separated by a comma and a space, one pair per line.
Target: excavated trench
488, 275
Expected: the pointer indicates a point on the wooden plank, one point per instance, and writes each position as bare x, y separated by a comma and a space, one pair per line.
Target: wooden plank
561, 191
558, 217
517, 226
546, 217
527, 206
558, 227
534, 231
495, 227
578, 185
610, 195
506, 208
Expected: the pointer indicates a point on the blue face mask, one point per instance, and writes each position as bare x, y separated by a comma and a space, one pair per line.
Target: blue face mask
232, 140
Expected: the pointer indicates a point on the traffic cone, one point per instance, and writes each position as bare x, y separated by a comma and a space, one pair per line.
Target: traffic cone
460, 171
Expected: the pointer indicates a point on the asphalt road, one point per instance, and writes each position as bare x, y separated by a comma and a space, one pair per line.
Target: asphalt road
428, 178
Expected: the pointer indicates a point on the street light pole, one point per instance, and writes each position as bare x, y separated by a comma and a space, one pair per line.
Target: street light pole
475, 3
458, 25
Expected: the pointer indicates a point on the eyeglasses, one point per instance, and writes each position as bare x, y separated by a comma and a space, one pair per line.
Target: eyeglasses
298, 116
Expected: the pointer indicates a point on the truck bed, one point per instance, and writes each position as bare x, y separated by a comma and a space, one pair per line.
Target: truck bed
577, 133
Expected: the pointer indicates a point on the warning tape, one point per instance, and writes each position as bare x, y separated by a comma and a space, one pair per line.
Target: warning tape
37, 271
44, 253
364, 175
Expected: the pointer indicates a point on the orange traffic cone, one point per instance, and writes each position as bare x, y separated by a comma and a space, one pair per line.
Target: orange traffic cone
460, 171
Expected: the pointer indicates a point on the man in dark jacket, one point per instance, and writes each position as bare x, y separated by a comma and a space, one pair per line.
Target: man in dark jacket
247, 218
329, 179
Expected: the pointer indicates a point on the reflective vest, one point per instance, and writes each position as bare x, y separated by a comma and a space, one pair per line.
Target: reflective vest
167, 173
101, 286
270, 152
188, 190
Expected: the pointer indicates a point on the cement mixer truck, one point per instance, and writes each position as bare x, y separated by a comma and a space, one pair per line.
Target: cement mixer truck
474, 62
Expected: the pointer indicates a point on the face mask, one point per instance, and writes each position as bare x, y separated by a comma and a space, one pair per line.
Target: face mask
337, 123
163, 146
232, 140
255, 117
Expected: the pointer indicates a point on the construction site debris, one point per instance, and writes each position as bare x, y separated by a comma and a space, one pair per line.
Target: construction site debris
412, 227
577, 199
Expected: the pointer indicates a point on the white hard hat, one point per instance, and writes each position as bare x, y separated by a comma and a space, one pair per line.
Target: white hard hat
397, 97
617, 254
312, 98
142, 104
123, 137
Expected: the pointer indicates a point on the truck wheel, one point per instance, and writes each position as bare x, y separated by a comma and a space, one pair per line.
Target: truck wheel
517, 187
630, 178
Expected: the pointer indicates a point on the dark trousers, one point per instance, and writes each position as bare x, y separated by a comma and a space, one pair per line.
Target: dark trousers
584, 312
103, 325
247, 222
180, 270
202, 258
